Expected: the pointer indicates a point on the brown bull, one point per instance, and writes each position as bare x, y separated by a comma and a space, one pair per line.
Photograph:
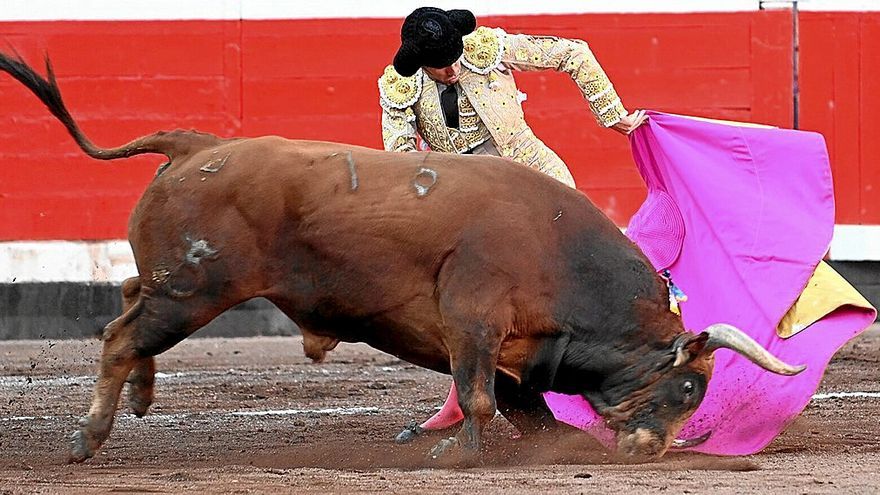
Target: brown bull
494, 273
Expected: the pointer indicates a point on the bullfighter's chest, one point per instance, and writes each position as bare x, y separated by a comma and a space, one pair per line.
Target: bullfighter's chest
431, 123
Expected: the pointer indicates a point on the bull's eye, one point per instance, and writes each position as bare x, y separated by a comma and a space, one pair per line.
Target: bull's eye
687, 387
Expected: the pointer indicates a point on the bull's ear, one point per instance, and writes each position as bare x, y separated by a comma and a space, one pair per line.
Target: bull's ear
688, 346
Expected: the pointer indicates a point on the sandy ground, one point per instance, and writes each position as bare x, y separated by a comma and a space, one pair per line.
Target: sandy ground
253, 415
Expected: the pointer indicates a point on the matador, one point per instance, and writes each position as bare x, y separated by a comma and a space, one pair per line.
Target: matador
452, 85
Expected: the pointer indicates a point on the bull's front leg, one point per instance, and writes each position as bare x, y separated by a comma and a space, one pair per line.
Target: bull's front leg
473, 371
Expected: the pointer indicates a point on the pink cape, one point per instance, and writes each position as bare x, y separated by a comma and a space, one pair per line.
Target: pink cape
740, 216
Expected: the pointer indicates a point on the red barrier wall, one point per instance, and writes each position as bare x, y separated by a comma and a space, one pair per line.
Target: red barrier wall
316, 79
840, 94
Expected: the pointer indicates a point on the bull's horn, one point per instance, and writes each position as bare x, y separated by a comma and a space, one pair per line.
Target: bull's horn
691, 442
730, 337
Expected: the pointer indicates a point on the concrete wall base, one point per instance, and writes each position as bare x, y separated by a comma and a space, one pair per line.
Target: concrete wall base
69, 310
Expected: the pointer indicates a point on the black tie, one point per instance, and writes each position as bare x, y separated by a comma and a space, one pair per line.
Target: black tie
449, 104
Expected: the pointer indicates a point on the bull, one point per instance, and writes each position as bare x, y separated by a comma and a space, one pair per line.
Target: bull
472, 266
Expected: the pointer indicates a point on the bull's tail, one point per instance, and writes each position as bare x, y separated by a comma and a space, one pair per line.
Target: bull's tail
170, 144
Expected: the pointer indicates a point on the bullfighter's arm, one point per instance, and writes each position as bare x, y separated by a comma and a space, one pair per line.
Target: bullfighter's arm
398, 129
574, 57
397, 94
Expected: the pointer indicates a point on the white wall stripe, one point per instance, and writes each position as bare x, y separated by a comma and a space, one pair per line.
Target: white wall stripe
101, 10
19, 10
66, 261
112, 261
122, 10
265, 9
856, 243
839, 5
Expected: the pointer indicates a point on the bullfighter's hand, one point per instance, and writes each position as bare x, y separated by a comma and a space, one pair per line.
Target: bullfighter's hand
629, 123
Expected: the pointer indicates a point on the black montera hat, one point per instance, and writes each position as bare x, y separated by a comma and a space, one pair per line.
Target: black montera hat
432, 37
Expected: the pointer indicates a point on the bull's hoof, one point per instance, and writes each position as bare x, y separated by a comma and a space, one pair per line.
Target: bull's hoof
409, 433
79, 447
449, 452
444, 448
140, 394
138, 405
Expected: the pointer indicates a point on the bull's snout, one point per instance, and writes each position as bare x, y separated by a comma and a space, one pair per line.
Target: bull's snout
642, 444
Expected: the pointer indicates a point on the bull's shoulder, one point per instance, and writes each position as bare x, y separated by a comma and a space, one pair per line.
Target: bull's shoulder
396, 91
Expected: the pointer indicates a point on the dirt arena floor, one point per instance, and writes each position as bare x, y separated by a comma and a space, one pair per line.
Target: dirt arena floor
253, 416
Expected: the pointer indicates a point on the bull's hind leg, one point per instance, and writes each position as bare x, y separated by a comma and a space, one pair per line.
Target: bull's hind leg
140, 385
153, 324
142, 376
118, 357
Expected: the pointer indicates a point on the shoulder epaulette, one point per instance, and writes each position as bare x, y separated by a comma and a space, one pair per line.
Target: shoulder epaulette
397, 91
483, 49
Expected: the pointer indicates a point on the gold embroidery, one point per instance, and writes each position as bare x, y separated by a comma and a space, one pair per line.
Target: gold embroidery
489, 108
398, 132
397, 91
398, 126
483, 50
573, 57
471, 131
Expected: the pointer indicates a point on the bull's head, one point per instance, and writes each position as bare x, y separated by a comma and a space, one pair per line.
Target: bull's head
648, 411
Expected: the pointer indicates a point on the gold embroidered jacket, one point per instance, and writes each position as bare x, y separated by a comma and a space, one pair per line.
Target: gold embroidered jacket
491, 103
